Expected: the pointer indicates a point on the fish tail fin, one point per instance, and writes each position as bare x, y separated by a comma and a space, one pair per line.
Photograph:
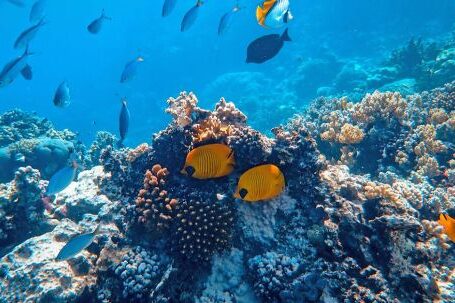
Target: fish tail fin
120, 144
104, 16
285, 36
42, 21
199, 3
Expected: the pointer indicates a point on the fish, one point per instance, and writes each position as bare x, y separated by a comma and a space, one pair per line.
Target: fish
19, 3
263, 182
168, 7
76, 245
26, 36
226, 20
130, 70
62, 179
273, 13
266, 47
37, 11
95, 26
190, 16
124, 121
62, 96
15, 67
449, 225
27, 73
209, 161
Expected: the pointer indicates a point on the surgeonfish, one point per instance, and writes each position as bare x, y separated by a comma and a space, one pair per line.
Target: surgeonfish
449, 225
124, 121
168, 7
15, 67
209, 161
61, 179
95, 26
26, 36
37, 11
76, 245
62, 97
263, 182
266, 47
273, 13
190, 16
130, 70
226, 20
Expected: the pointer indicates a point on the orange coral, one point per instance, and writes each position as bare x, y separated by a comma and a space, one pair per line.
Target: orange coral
137, 152
182, 108
350, 134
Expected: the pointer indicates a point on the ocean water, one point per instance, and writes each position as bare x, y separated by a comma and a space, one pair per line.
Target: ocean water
193, 60
327, 176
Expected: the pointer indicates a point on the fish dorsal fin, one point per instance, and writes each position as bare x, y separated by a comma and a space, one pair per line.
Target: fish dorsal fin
262, 12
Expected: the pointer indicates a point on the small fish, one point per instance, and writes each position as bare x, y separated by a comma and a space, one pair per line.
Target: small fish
37, 11
449, 225
19, 3
26, 36
19, 157
76, 245
130, 70
273, 13
191, 16
27, 73
62, 96
95, 26
226, 20
124, 122
220, 197
168, 7
209, 161
61, 179
263, 182
266, 47
15, 67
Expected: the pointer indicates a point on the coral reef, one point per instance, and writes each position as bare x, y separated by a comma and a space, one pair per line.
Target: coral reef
365, 183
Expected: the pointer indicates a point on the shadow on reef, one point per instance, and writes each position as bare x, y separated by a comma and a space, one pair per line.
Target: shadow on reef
365, 183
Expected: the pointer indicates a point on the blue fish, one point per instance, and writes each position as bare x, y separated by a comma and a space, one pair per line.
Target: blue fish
37, 11
15, 67
76, 245
26, 36
62, 96
266, 47
191, 16
168, 7
61, 179
95, 26
226, 20
130, 70
124, 122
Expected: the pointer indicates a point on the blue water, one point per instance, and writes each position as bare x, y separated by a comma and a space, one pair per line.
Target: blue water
175, 61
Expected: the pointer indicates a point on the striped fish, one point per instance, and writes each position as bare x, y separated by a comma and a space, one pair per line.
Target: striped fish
273, 13
263, 182
209, 161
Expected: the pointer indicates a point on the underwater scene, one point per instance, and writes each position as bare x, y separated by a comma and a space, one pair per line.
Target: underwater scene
227, 151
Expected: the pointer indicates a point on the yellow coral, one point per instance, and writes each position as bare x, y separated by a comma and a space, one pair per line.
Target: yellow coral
350, 134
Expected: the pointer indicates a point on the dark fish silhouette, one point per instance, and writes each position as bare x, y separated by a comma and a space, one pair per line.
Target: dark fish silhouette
124, 122
76, 245
37, 11
15, 67
26, 36
266, 47
27, 73
226, 20
190, 16
95, 26
62, 96
168, 7
130, 70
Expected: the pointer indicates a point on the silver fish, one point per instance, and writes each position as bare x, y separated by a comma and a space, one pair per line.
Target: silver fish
13, 68
37, 11
124, 122
61, 179
191, 16
226, 20
95, 26
76, 245
62, 96
26, 36
130, 70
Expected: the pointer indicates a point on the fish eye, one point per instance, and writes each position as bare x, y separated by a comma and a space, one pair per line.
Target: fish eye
190, 170
243, 192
